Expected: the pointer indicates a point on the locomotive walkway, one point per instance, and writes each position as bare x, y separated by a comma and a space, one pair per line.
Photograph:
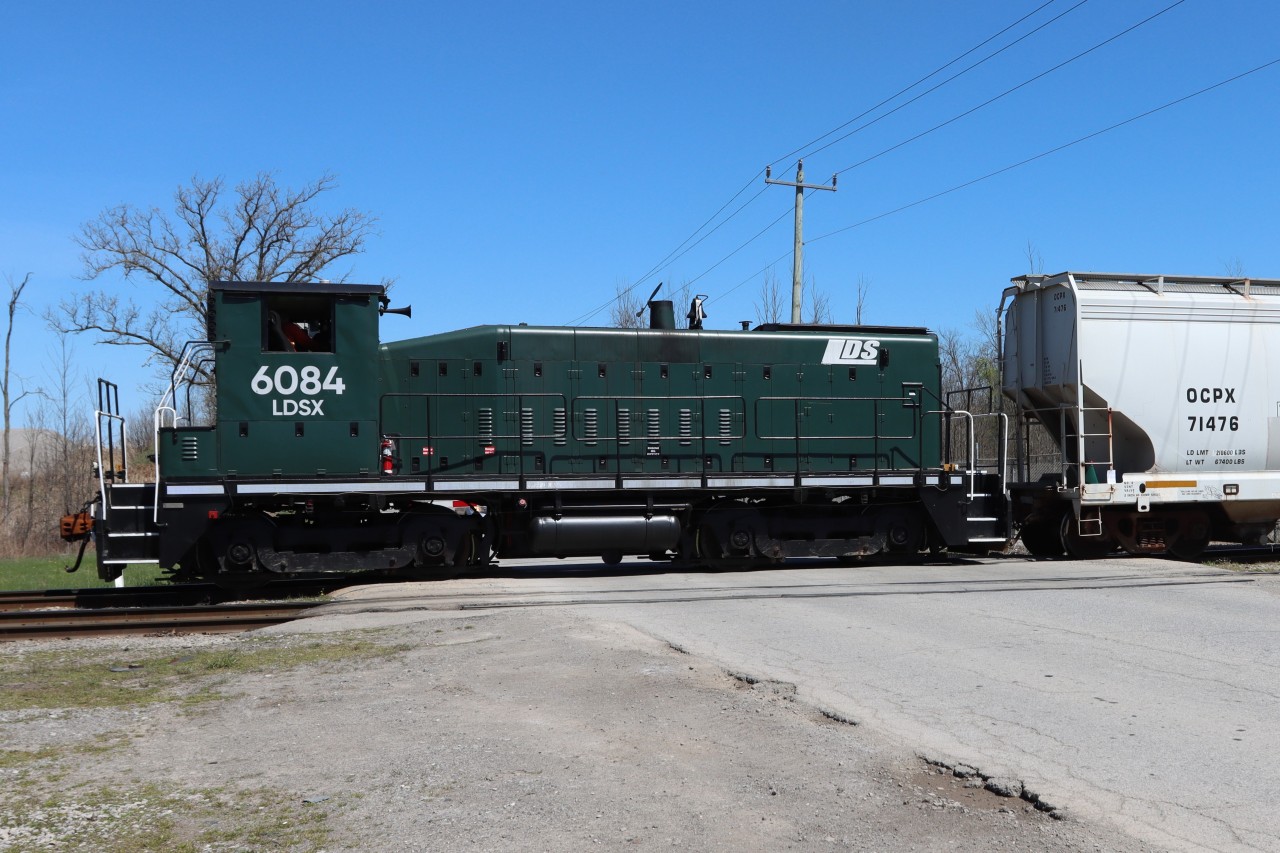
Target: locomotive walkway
1135, 693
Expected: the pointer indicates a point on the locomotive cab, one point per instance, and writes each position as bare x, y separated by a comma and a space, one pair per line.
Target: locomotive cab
294, 385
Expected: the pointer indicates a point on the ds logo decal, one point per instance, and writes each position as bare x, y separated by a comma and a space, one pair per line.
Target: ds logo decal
851, 351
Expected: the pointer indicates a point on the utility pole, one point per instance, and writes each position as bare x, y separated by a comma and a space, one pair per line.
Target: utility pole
797, 262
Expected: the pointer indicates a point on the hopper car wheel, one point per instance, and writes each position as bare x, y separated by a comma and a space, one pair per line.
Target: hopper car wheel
1083, 547
1042, 538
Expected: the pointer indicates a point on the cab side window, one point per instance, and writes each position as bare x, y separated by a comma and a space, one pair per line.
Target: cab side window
297, 323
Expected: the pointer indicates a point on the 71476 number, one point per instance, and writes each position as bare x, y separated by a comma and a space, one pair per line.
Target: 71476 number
1211, 423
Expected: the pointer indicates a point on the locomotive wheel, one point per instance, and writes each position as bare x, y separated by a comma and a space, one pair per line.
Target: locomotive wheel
611, 558
709, 554
903, 531
1042, 538
427, 568
1083, 547
235, 547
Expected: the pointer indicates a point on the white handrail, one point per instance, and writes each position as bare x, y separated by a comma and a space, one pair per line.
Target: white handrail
102, 468
169, 403
157, 425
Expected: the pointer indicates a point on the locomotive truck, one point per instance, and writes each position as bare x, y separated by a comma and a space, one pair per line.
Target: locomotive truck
333, 452
1160, 399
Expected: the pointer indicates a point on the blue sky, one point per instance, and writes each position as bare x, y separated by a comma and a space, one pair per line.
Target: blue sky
524, 159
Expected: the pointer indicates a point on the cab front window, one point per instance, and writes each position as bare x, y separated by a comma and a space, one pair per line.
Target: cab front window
298, 323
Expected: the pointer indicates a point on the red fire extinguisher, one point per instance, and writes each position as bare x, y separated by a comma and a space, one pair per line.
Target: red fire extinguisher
388, 456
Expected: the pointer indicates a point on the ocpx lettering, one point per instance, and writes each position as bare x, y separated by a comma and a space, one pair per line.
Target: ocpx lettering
1211, 395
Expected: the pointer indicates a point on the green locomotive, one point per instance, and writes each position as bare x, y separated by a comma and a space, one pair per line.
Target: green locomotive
331, 452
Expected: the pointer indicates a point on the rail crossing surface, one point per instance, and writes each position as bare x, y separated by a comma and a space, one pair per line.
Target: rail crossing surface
1137, 692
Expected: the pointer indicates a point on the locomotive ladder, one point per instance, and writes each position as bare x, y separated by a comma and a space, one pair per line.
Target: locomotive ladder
986, 517
124, 529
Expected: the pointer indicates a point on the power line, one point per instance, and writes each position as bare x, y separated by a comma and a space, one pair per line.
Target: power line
669, 258
935, 88
751, 240
996, 173
1044, 154
962, 115
1007, 92
684, 248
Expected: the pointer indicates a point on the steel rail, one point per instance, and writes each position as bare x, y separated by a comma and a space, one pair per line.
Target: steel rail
161, 596
34, 624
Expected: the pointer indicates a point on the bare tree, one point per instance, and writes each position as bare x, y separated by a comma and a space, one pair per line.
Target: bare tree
681, 297
771, 303
61, 411
819, 304
264, 232
1035, 261
6, 388
627, 309
864, 289
1234, 268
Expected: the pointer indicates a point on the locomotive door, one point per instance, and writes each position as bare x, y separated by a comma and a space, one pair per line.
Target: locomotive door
517, 428
724, 418
777, 419
819, 422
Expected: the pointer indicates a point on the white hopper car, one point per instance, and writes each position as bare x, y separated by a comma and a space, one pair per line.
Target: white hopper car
1148, 411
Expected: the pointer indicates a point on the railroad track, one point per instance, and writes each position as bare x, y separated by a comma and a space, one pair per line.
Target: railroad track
179, 608
171, 595
203, 618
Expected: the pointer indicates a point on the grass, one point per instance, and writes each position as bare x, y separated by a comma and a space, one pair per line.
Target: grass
122, 819
1261, 566
65, 679
15, 758
48, 573
43, 806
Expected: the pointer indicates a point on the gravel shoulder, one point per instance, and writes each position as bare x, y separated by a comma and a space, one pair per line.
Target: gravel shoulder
526, 730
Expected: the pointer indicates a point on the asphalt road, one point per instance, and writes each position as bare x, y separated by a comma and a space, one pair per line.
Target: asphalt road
1137, 692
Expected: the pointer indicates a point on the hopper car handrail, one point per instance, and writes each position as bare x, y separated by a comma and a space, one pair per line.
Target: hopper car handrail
1079, 437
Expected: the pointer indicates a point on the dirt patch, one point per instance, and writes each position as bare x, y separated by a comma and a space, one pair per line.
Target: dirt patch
529, 730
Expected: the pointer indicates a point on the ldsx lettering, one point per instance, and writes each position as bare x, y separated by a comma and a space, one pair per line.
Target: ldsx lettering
1211, 395
297, 407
